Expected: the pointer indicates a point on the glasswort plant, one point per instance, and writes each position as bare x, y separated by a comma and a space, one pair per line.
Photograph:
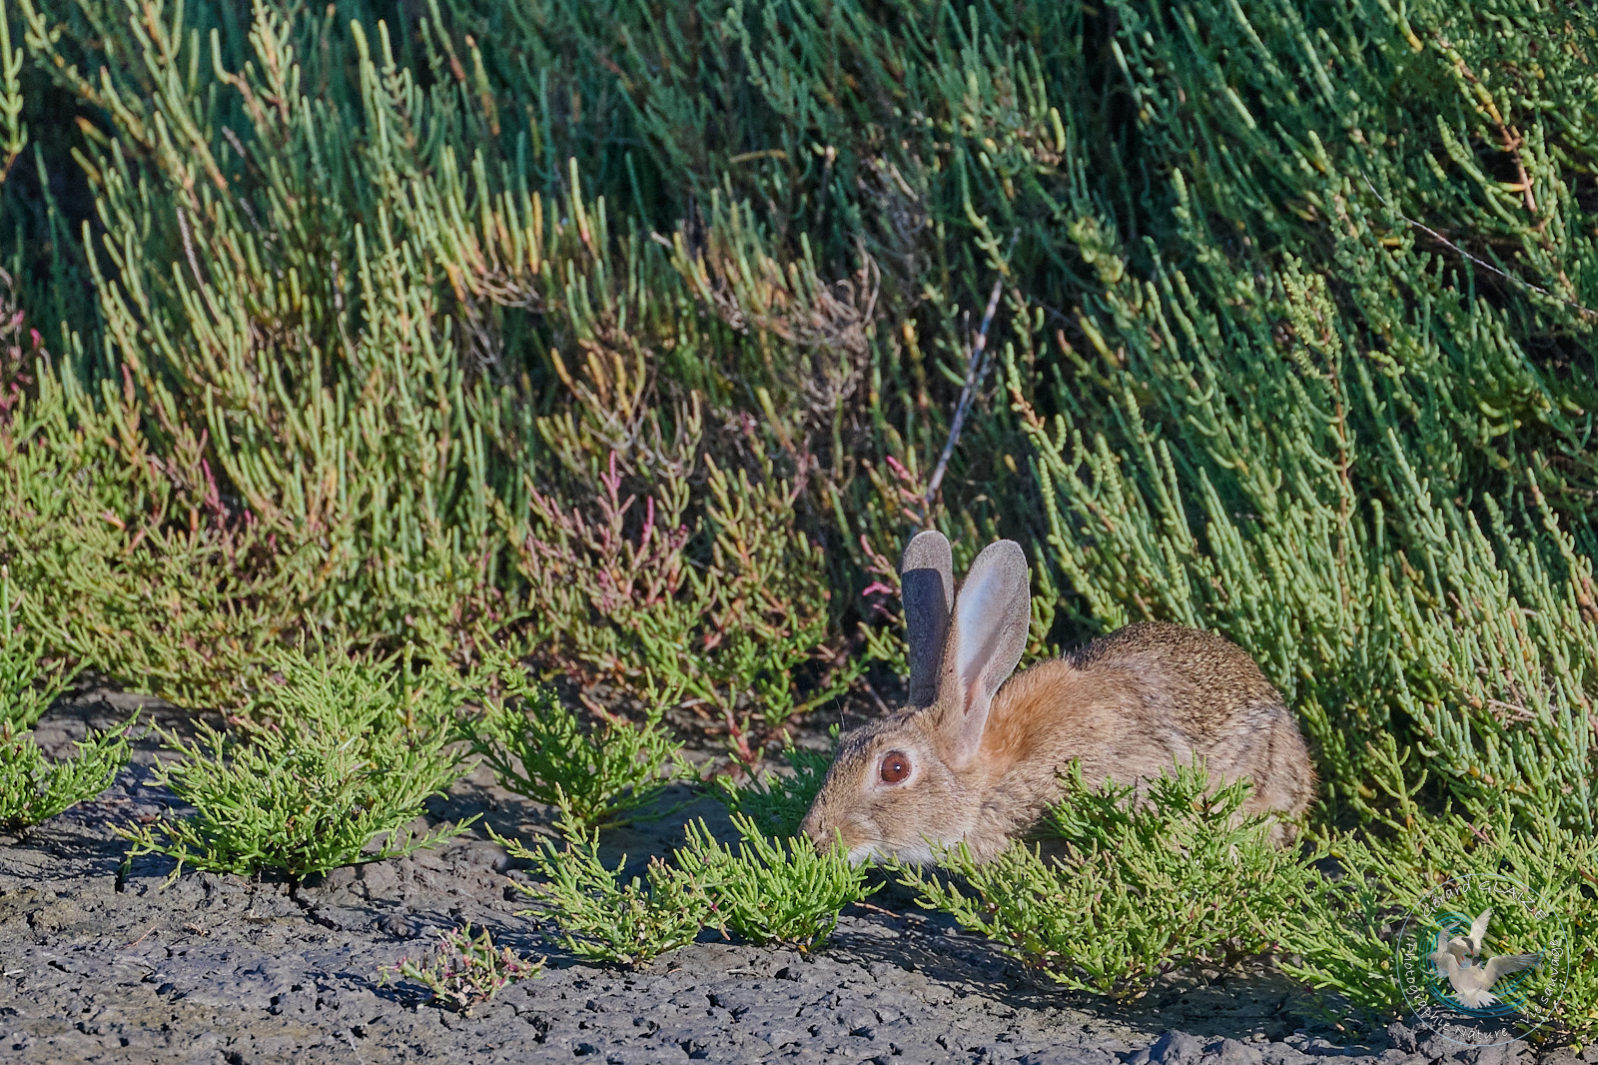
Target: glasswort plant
773, 889
775, 802
463, 970
339, 755
599, 917
538, 748
1136, 890
34, 788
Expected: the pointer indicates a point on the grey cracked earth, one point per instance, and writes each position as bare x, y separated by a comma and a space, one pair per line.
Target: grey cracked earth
97, 968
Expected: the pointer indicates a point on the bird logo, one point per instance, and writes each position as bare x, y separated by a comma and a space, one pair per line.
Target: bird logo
1459, 960
1463, 977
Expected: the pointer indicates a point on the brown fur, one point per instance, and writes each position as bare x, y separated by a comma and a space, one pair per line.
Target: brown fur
1127, 706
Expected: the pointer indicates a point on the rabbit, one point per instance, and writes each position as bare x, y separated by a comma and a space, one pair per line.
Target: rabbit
975, 756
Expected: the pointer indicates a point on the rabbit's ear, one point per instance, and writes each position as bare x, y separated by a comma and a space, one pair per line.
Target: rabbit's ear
991, 616
926, 577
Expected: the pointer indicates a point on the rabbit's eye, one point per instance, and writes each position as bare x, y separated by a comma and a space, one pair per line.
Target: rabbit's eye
895, 767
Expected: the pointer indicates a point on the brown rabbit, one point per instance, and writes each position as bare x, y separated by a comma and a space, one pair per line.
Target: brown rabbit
974, 759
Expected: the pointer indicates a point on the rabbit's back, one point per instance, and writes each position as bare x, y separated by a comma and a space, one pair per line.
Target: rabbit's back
1129, 704
1190, 677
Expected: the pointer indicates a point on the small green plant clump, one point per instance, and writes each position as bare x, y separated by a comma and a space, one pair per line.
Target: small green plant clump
538, 748
1138, 889
770, 890
34, 788
341, 753
599, 917
463, 970
774, 889
774, 802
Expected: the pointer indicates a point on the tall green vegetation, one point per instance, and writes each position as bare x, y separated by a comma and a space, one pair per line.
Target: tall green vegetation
639, 339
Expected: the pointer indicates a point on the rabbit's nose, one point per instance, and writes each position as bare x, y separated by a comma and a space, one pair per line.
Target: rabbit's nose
812, 828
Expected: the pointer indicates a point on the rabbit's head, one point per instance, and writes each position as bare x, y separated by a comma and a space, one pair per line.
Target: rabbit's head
917, 777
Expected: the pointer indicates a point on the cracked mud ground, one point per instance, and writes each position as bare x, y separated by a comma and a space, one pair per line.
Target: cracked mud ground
101, 968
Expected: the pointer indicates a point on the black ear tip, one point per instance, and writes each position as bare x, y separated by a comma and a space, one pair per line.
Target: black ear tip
924, 585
